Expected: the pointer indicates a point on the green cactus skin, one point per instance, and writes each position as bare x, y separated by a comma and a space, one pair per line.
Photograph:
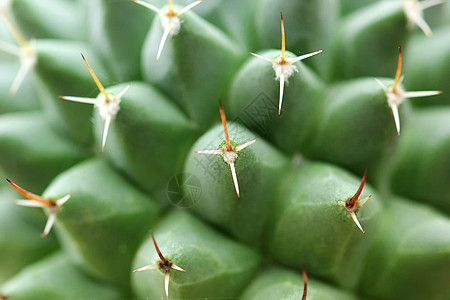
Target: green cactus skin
20, 250
32, 153
120, 45
426, 142
48, 19
197, 44
61, 72
426, 66
438, 16
354, 127
310, 229
366, 42
406, 246
56, 278
105, 220
259, 169
254, 96
214, 265
238, 24
334, 116
7, 37
25, 99
278, 283
348, 6
309, 27
141, 136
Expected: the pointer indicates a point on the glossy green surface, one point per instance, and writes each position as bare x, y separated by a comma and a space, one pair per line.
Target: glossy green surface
404, 246
278, 283
141, 137
335, 119
354, 127
259, 170
215, 266
254, 101
310, 229
20, 250
427, 143
198, 46
104, 221
32, 153
56, 278
366, 41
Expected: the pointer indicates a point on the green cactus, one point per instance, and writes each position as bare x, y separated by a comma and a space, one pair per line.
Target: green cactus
314, 192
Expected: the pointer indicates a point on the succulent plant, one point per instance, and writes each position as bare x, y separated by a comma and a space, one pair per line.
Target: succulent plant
314, 193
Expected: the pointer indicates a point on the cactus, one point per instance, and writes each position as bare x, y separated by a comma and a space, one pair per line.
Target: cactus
314, 193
